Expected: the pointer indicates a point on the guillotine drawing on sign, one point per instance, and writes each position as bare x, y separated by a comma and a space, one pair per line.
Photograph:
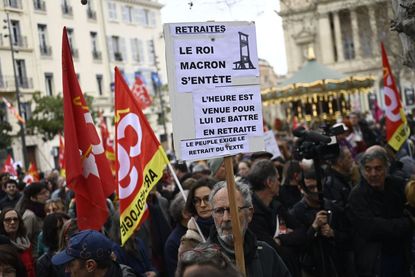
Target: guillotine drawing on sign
245, 61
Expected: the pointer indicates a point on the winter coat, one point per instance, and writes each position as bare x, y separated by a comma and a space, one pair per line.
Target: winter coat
261, 260
171, 248
382, 233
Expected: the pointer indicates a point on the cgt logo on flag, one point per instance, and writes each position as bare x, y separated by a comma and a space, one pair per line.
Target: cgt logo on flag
140, 158
397, 130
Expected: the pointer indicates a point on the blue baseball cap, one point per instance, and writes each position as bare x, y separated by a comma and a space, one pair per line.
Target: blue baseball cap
85, 245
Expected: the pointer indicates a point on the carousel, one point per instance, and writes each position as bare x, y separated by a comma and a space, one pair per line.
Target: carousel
316, 93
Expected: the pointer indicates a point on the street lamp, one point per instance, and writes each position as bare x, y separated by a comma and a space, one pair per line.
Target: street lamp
22, 127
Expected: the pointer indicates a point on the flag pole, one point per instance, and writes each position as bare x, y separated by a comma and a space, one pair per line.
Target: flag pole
185, 199
177, 181
236, 226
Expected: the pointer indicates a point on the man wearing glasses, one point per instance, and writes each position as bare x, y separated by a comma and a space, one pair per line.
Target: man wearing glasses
260, 258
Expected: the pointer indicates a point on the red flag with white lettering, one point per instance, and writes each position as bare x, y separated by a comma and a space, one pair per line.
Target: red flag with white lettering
140, 158
8, 166
140, 93
88, 172
397, 130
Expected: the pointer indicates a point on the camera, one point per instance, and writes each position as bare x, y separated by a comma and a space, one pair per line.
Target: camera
318, 145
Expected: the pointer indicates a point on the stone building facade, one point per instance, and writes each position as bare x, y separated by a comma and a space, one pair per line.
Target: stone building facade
346, 36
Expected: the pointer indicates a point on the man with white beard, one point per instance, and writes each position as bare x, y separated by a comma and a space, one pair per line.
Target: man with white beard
260, 258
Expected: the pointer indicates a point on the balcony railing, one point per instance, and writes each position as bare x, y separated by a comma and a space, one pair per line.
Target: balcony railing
24, 82
7, 83
39, 5
75, 53
45, 50
136, 58
118, 56
97, 55
91, 14
67, 10
13, 4
20, 41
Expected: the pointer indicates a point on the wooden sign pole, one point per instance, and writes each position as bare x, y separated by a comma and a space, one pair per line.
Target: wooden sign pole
236, 226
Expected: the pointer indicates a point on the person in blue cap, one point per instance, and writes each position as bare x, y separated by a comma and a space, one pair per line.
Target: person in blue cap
89, 254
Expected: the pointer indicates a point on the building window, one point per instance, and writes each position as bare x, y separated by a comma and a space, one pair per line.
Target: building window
137, 50
49, 84
347, 35
365, 37
149, 18
127, 14
96, 54
71, 38
116, 48
39, 5
151, 51
99, 78
333, 37
45, 49
91, 13
16, 4
16, 34
112, 11
21, 74
66, 8
26, 110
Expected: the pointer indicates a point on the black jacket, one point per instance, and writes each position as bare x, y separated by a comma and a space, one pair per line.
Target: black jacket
381, 229
263, 225
336, 187
261, 260
289, 195
322, 256
7, 202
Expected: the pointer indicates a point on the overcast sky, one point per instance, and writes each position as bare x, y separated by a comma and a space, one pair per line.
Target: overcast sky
270, 39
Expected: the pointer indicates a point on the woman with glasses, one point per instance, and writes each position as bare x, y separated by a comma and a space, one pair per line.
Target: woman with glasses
13, 227
198, 206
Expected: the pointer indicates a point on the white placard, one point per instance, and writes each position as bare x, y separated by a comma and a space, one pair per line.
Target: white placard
215, 99
271, 144
210, 55
228, 111
206, 148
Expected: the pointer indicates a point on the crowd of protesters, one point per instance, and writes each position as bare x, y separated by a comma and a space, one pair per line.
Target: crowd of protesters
354, 216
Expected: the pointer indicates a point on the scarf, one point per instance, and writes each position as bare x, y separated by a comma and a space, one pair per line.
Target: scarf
21, 243
37, 208
205, 225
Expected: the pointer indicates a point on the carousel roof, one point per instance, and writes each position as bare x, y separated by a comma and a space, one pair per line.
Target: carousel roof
315, 79
313, 71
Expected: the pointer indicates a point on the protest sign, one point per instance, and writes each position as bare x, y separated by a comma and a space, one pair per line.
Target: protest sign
215, 96
271, 144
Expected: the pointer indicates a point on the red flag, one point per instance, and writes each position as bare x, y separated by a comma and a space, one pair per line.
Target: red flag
8, 166
397, 130
88, 172
61, 156
108, 144
140, 158
14, 111
33, 171
141, 94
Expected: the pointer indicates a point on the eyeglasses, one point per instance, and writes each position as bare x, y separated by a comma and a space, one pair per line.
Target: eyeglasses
221, 210
10, 219
197, 201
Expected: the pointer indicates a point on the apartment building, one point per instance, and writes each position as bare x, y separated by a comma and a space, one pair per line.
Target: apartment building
103, 34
